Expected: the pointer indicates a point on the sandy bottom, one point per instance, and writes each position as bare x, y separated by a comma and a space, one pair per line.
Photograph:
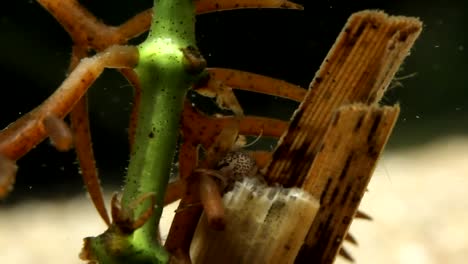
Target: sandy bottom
417, 197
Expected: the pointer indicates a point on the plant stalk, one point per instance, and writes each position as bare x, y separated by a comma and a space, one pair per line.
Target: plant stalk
164, 82
168, 66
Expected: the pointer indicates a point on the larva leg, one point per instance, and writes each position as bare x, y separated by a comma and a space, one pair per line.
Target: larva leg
210, 194
213, 173
212, 202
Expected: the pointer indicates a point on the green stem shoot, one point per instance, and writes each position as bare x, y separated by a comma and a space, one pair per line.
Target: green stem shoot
168, 66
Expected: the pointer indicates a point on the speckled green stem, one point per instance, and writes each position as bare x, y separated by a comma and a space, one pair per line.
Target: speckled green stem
164, 82
166, 70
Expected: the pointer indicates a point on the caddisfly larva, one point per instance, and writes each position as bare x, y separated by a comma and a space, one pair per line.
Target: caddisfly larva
235, 165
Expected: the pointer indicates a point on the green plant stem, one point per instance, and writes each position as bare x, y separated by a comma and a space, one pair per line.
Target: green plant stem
164, 82
168, 66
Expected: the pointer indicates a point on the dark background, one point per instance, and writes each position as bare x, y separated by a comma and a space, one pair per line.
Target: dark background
286, 44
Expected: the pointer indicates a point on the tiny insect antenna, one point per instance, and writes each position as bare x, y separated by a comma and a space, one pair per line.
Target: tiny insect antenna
255, 140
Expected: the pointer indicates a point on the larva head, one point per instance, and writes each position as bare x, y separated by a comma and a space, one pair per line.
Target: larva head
237, 165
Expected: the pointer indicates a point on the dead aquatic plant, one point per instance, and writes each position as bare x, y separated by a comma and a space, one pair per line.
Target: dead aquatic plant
328, 150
